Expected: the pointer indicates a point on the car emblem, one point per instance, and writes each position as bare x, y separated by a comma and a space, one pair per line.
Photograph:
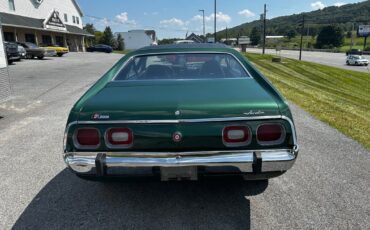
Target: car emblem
97, 116
251, 112
177, 113
177, 137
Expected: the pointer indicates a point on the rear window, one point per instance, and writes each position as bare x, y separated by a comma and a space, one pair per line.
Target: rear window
182, 66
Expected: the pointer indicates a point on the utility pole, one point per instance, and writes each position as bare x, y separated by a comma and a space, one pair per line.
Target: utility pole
302, 31
215, 21
204, 26
264, 29
353, 28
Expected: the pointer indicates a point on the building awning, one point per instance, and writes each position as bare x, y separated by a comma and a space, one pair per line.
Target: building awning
36, 24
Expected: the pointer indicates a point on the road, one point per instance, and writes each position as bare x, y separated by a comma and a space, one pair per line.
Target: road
328, 188
330, 59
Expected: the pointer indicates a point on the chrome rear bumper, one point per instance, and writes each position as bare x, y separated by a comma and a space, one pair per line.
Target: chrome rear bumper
245, 161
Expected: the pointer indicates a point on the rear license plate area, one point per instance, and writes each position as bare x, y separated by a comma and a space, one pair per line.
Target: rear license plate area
179, 173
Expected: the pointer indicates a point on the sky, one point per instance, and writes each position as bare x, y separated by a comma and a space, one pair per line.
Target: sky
176, 18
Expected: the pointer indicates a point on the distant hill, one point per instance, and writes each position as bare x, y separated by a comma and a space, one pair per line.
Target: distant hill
344, 16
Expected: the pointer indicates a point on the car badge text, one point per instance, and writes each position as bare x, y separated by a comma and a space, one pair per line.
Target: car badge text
97, 116
250, 113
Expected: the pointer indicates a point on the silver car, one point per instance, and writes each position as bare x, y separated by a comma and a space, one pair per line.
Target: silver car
357, 60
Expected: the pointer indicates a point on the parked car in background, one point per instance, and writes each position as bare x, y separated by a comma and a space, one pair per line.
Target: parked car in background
60, 51
357, 60
22, 51
100, 48
181, 111
354, 52
184, 42
12, 53
34, 51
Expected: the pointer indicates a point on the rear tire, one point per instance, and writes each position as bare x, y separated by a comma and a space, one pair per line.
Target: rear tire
10, 62
40, 57
347, 62
60, 55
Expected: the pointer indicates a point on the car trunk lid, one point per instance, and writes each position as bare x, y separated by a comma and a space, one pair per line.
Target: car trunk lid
180, 99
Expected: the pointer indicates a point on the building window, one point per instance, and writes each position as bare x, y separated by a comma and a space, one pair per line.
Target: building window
74, 19
65, 17
46, 40
59, 40
11, 5
78, 20
9, 36
30, 38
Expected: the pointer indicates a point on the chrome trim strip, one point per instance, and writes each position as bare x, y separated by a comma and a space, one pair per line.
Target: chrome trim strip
250, 76
179, 121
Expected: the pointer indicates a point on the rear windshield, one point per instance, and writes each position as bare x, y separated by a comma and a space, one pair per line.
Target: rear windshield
182, 66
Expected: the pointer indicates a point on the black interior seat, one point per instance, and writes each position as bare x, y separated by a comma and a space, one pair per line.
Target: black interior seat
212, 68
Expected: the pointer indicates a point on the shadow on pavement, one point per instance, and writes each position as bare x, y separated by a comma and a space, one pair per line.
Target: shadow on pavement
68, 202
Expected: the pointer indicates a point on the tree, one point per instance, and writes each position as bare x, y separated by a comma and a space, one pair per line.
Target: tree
349, 34
89, 27
291, 34
108, 38
99, 37
330, 36
255, 36
120, 42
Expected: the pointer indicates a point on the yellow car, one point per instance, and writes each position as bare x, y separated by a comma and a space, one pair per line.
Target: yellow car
60, 51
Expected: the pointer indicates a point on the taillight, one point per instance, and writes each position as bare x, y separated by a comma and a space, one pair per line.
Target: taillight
87, 138
119, 138
236, 136
270, 134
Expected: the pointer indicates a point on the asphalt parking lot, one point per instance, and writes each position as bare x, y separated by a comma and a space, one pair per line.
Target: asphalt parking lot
331, 59
328, 188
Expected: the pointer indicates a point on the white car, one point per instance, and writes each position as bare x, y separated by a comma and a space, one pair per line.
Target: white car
357, 60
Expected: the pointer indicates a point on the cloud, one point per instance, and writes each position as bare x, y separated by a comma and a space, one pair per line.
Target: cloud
317, 5
221, 17
172, 22
339, 4
122, 18
246, 13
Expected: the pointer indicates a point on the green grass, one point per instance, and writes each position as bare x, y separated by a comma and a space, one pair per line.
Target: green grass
336, 96
309, 42
121, 51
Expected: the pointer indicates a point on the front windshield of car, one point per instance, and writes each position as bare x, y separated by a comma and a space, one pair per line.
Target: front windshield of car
31, 45
183, 66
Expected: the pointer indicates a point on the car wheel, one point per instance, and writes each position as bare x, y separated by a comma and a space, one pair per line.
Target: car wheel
60, 55
40, 57
347, 62
356, 63
10, 62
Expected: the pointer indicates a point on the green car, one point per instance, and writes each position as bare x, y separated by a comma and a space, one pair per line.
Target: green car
180, 112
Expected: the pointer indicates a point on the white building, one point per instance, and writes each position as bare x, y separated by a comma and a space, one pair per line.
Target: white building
4, 74
43, 22
136, 39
